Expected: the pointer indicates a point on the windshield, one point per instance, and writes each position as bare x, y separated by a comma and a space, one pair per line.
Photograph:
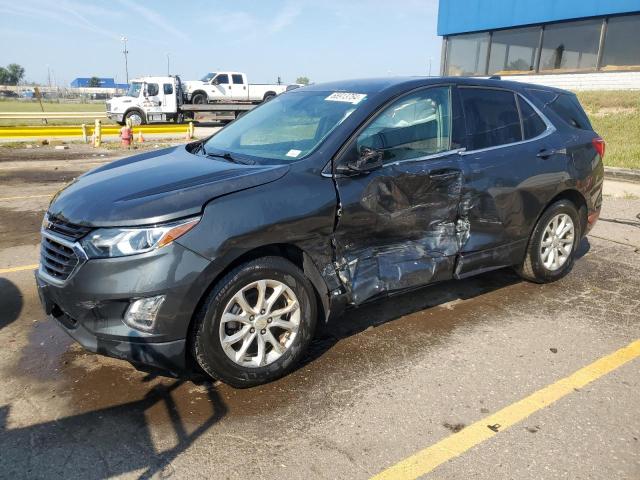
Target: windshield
287, 128
134, 89
207, 78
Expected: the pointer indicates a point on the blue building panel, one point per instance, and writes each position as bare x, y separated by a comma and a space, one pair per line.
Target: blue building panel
461, 16
83, 82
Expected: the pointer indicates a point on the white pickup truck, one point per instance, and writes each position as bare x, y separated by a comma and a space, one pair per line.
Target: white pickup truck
229, 86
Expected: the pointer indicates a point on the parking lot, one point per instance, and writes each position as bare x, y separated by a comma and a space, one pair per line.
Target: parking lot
381, 383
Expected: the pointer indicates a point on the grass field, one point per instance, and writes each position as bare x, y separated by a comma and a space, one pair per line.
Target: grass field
34, 106
615, 116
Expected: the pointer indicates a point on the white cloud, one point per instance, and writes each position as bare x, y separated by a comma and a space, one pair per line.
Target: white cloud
155, 18
285, 17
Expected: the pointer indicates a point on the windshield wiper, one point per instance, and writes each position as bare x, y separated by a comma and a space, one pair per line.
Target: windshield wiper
228, 157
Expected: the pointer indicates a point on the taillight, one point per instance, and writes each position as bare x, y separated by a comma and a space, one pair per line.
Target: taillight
599, 144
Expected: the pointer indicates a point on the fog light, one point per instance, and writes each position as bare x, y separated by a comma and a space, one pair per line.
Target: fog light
142, 313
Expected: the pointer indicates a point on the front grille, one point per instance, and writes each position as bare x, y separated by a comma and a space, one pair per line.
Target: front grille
57, 260
66, 229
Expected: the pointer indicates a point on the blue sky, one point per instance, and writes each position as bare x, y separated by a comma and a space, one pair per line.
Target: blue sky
321, 39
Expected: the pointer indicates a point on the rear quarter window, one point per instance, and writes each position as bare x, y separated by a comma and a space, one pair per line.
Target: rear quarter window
532, 124
566, 106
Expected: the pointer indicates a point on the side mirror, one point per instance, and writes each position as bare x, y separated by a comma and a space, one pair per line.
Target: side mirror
363, 161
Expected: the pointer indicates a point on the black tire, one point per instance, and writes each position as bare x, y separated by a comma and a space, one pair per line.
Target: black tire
134, 114
268, 96
199, 98
533, 268
206, 342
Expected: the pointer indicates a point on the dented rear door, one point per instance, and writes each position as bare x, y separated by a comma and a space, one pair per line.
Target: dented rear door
398, 226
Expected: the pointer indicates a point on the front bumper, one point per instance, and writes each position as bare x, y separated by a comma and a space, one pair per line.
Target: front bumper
91, 305
116, 117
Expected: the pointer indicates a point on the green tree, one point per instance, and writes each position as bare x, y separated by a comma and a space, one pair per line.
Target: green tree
4, 76
94, 82
302, 80
15, 73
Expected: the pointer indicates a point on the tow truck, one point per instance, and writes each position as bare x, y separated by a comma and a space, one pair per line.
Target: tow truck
161, 99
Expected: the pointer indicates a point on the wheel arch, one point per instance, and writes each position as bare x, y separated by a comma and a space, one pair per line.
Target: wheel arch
270, 93
201, 92
575, 197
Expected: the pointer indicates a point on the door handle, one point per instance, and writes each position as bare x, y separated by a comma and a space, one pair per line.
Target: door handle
547, 152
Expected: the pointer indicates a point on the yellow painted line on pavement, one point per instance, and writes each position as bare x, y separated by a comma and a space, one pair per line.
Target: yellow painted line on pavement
2, 199
18, 269
454, 445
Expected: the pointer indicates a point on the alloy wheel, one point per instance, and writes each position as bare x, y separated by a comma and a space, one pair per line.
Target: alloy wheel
260, 323
557, 242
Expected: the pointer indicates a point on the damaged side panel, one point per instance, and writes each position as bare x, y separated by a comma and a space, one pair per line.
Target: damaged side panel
399, 227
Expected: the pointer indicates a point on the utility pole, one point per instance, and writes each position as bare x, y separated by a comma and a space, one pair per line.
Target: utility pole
125, 51
167, 64
49, 76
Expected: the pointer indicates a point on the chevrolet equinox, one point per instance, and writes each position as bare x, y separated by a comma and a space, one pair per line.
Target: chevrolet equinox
222, 255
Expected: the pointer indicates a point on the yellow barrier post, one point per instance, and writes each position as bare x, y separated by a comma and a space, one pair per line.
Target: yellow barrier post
97, 134
84, 132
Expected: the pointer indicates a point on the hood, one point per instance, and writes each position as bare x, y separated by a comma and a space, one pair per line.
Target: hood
154, 187
117, 101
192, 84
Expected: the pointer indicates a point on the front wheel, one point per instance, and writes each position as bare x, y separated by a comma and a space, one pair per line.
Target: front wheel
256, 323
553, 244
135, 118
199, 98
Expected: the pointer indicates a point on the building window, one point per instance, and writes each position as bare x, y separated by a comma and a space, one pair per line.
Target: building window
467, 54
570, 47
622, 44
514, 51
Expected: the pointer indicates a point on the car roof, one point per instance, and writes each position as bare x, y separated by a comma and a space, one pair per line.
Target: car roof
380, 85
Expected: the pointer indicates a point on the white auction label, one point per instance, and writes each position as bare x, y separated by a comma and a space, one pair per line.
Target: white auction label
353, 98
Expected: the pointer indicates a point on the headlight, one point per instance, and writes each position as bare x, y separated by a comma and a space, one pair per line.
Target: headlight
119, 242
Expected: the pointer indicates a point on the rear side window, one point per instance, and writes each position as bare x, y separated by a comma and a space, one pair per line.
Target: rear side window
168, 89
492, 117
567, 107
237, 79
532, 124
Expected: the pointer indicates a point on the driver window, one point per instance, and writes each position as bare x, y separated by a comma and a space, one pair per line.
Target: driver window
222, 79
416, 125
152, 89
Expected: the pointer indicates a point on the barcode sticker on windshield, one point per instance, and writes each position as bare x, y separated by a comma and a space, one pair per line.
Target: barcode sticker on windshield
353, 98
293, 153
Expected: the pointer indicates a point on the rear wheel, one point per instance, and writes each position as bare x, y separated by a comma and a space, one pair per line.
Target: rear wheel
268, 96
256, 323
553, 243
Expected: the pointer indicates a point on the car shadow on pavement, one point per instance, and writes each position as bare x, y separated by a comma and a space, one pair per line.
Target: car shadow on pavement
390, 308
11, 302
105, 442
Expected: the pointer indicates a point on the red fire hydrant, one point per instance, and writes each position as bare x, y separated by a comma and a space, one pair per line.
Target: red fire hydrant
126, 134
